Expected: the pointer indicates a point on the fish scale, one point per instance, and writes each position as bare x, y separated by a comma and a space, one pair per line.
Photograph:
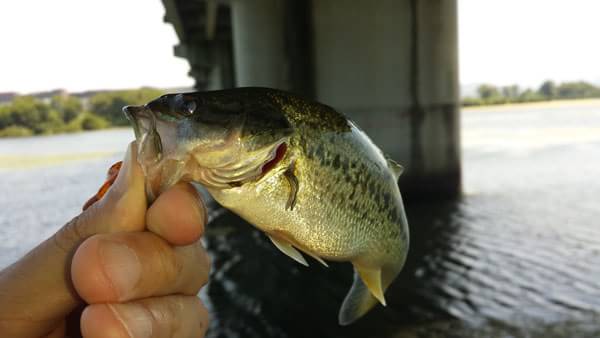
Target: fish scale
342, 182
311, 179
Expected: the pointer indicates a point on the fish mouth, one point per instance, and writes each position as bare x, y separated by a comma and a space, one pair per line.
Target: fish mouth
137, 116
144, 123
150, 148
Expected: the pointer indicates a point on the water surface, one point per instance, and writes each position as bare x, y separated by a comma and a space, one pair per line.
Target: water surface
517, 256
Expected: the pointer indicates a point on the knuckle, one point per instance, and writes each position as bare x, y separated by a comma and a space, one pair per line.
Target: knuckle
168, 315
71, 234
195, 314
202, 317
207, 259
168, 261
206, 264
199, 253
194, 268
177, 315
123, 219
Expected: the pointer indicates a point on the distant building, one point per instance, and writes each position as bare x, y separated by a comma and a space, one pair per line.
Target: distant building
48, 95
84, 96
6, 97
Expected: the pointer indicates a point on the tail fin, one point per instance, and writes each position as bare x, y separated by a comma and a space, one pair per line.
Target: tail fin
358, 301
367, 290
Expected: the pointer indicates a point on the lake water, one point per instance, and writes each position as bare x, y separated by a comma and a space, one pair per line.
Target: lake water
518, 255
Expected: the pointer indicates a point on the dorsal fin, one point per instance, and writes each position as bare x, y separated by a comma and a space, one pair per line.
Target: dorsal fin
395, 167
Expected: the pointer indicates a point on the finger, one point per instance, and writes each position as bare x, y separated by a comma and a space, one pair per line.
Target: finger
38, 286
58, 332
173, 316
124, 266
124, 205
178, 215
123, 208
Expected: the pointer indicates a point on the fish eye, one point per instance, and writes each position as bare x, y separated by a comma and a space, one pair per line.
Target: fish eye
190, 107
184, 105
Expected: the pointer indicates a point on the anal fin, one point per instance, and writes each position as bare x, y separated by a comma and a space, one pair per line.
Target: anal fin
372, 279
289, 250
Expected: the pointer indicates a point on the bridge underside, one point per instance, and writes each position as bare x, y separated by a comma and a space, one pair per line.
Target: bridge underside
392, 66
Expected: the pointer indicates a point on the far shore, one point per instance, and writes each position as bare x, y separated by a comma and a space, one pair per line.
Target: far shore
67, 133
32, 161
539, 104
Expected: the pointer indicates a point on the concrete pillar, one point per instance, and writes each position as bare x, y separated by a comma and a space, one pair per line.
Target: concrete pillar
435, 154
392, 67
271, 44
258, 43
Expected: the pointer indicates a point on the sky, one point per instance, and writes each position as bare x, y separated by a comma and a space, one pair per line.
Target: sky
87, 44
110, 44
527, 41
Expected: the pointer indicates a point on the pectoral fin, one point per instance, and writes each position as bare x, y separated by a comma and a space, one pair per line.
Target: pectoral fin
293, 182
289, 250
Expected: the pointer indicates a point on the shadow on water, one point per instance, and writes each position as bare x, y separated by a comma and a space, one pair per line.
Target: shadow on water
460, 280
256, 291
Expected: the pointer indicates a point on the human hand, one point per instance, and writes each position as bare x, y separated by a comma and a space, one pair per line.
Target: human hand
137, 268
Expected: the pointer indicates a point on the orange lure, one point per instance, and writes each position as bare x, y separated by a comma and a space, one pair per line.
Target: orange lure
111, 176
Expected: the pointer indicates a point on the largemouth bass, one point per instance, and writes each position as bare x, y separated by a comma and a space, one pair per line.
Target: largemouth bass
301, 172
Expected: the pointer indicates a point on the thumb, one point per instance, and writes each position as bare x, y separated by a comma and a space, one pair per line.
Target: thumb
38, 286
123, 208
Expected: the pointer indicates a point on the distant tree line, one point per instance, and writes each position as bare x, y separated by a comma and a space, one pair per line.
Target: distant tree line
490, 94
26, 115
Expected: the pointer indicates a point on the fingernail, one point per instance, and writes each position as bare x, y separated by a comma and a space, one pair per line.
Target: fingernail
136, 319
121, 266
204, 212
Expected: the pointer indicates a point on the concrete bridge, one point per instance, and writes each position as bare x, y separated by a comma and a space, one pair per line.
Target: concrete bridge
391, 65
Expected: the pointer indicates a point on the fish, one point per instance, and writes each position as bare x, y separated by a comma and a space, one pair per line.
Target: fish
298, 170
